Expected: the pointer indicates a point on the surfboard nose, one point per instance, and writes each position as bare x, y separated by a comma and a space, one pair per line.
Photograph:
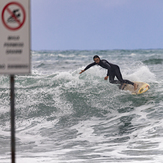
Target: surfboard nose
143, 88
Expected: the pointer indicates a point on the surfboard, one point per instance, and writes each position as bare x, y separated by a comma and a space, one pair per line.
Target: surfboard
142, 87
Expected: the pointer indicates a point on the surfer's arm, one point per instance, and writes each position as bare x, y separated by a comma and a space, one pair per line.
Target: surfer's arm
108, 73
105, 64
90, 65
108, 70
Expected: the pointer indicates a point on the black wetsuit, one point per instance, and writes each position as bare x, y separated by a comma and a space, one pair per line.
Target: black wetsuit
113, 70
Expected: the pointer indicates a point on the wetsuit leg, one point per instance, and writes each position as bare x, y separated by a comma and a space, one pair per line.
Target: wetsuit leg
111, 78
119, 76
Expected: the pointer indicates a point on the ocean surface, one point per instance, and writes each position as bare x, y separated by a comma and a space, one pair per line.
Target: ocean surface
65, 117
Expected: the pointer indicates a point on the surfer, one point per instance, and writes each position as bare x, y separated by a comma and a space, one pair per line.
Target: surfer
113, 70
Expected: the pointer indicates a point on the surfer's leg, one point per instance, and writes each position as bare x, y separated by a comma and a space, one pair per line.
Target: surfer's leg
128, 82
122, 81
119, 77
111, 79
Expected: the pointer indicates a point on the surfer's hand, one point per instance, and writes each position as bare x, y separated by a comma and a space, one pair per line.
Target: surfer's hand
106, 78
81, 71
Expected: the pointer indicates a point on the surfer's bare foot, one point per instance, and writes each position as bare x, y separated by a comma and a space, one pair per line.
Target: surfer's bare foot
124, 84
135, 86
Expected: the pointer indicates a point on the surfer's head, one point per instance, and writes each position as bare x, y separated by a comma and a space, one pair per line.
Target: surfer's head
96, 58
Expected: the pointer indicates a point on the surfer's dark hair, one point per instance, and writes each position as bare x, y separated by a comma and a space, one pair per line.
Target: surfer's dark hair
96, 56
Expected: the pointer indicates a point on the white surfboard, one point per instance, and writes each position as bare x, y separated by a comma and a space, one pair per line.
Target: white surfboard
142, 87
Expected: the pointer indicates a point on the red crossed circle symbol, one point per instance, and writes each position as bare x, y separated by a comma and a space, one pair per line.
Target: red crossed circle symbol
7, 9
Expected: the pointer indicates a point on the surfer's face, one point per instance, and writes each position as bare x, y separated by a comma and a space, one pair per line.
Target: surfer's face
97, 60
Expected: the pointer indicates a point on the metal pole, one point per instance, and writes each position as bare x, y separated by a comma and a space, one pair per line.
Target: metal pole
12, 98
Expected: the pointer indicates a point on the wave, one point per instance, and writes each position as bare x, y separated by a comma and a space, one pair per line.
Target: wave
153, 61
68, 113
66, 93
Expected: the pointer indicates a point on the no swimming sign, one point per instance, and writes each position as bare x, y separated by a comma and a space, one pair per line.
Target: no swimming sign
15, 37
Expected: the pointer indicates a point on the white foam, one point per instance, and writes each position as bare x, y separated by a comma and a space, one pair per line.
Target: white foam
133, 54
29, 130
66, 56
142, 74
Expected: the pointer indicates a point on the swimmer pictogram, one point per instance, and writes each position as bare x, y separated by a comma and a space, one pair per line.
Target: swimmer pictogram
13, 16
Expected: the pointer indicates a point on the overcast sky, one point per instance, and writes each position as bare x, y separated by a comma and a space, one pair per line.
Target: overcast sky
96, 24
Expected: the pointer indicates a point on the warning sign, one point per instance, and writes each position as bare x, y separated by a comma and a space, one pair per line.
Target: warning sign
15, 37
13, 16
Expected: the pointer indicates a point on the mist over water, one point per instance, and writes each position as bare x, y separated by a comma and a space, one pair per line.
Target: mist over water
62, 116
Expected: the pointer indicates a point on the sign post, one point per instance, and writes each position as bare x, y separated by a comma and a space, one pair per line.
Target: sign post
12, 96
14, 48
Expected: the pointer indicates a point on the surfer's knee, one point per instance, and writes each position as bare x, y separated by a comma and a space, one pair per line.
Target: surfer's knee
111, 81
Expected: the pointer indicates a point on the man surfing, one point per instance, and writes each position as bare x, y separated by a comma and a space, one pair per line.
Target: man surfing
113, 70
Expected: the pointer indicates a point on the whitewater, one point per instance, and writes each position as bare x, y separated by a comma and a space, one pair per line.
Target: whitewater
65, 117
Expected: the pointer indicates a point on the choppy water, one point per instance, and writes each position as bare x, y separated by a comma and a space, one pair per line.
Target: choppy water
64, 117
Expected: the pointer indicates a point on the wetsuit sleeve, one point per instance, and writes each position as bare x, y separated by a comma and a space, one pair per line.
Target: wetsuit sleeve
106, 65
90, 65
108, 73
